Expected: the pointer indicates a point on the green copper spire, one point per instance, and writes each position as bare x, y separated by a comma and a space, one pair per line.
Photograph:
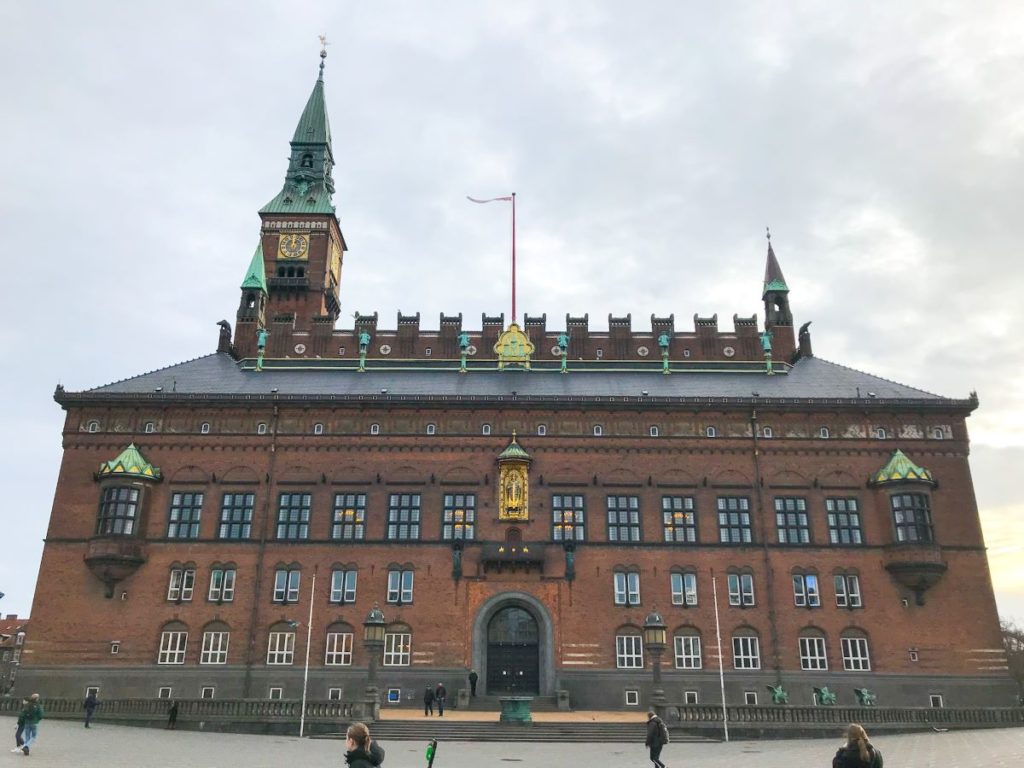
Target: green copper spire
901, 469
256, 276
773, 279
514, 451
308, 184
130, 463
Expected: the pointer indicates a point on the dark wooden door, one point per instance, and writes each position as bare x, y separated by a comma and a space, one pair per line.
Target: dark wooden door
513, 653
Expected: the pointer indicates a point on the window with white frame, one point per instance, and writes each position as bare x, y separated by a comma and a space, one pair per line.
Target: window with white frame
806, 593
654, 431
741, 589
375, 429
149, 427
334, 694
222, 585
163, 692
847, 590
684, 588
286, 585
690, 697
485, 429
710, 432
281, 648
629, 652
431, 429
824, 433
812, 653
204, 428
397, 649
679, 519
632, 698
881, 433
687, 651
938, 433
215, 647
935, 701
261, 428
750, 698
318, 429
343, 585
172, 646
627, 587
855, 654
181, 585
767, 433
93, 426
746, 652
275, 693
598, 430
400, 583
339, 649
542, 430
207, 692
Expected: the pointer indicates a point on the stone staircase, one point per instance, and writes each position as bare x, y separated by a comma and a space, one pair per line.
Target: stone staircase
474, 730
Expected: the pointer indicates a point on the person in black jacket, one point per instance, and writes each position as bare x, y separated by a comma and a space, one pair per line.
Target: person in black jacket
656, 731
428, 702
440, 694
362, 752
858, 752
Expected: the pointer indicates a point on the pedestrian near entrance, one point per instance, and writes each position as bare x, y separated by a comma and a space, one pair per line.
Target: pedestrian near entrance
20, 731
428, 701
440, 694
472, 682
858, 752
89, 705
657, 737
172, 716
33, 714
363, 752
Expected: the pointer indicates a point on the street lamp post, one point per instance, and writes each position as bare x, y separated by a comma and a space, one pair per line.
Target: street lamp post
373, 639
655, 638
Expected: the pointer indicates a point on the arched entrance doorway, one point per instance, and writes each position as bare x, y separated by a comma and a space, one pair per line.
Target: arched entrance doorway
513, 652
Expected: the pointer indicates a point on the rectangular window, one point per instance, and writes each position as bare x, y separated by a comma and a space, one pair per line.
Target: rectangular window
687, 648
163, 692
847, 591
181, 585
236, 515
275, 693
207, 692
843, 521
222, 585
339, 649
679, 520
684, 588
404, 516
935, 701
855, 654
286, 585
912, 516
629, 652
812, 653
627, 588
632, 698
741, 589
459, 517
349, 517
343, 586
172, 647
186, 509
690, 697
293, 516
746, 653
334, 694
750, 698
397, 649
806, 593
400, 586
734, 520
215, 648
281, 648
791, 520
567, 517
118, 507
623, 518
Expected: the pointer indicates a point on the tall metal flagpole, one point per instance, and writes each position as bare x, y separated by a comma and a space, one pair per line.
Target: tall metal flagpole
721, 671
512, 199
309, 637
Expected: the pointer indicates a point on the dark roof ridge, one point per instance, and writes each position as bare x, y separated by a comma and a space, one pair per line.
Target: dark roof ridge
155, 370
876, 376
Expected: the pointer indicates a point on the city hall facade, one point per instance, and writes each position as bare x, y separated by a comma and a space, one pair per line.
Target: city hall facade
517, 498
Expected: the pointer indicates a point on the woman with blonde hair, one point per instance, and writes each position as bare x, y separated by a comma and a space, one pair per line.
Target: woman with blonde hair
362, 752
858, 752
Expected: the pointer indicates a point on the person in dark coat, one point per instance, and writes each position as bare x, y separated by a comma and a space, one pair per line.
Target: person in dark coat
363, 752
656, 731
440, 694
32, 714
473, 677
858, 752
428, 701
89, 705
172, 716
18, 740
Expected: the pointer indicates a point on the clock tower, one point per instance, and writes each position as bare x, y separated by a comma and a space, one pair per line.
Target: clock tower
302, 247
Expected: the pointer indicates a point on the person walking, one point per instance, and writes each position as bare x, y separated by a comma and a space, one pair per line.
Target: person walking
172, 716
89, 705
657, 737
440, 694
362, 751
858, 752
20, 732
428, 701
33, 714
473, 677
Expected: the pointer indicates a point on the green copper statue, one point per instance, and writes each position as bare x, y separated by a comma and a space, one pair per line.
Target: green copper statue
463, 341
865, 697
364, 344
826, 698
663, 341
261, 346
779, 695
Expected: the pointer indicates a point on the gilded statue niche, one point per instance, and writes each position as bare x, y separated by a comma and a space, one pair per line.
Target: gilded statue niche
514, 482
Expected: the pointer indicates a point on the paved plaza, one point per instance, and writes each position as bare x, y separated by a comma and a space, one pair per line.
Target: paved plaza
64, 743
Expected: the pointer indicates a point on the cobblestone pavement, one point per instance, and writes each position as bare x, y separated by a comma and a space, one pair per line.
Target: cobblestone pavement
65, 743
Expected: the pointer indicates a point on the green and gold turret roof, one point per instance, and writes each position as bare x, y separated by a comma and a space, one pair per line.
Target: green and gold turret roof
514, 451
901, 469
256, 275
129, 463
773, 279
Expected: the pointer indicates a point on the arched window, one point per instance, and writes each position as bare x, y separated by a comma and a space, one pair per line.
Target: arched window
542, 429
204, 428
307, 161
173, 643
149, 427
281, 643
710, 432
938, 433
339, 644
766, 433
598, 430
746, 649
856, 655
629, 648
431, 429
813, 653
654, 431
398, 646
687, 648
485, 429
375, 429
216, 637
93, 426
261, 428
824, 433
881, 433
318, 429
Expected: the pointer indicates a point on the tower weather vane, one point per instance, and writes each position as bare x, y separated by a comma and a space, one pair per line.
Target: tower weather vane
323, 46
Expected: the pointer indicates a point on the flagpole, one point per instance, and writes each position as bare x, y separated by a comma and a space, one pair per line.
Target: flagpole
721, 671
513, 257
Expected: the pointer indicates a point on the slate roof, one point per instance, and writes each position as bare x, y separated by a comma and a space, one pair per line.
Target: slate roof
219, 377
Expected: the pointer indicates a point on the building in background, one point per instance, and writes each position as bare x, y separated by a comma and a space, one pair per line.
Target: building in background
12, 639
518, 499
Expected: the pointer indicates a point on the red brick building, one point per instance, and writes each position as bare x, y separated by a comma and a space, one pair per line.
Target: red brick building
516, 499
13, 631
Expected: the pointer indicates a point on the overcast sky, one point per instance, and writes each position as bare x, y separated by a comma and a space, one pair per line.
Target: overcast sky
649, 144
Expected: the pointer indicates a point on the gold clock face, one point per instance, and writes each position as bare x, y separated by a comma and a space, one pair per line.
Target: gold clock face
293, 247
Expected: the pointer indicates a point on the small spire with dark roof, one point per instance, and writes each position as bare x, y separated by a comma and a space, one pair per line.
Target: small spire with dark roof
773, 279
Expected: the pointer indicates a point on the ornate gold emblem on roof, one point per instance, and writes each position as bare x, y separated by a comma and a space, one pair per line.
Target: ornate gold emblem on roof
513, 346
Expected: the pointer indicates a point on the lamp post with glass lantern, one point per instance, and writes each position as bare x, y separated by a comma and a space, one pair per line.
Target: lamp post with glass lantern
373, 640
655, 638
